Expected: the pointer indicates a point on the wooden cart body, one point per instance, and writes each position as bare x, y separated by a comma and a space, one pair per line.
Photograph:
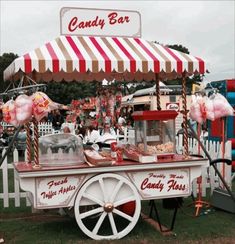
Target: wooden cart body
108, 187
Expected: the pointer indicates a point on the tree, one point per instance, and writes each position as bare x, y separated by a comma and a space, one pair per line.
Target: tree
64, 92
179, 47
59, 92
195, 79
5, 60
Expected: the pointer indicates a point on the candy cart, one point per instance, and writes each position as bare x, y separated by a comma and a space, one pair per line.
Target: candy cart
58, 175
101, 194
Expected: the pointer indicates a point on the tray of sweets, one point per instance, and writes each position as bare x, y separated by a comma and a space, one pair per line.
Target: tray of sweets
133, 153
95, 158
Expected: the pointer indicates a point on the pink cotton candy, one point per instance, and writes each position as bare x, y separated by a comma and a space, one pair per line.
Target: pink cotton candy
196, 115
39, 115
23, 105
195, 112
209, 108
9, 113
14, 122
221, 106
218, 114
218, 103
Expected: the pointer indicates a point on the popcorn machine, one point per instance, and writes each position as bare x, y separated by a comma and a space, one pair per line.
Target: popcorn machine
155, 131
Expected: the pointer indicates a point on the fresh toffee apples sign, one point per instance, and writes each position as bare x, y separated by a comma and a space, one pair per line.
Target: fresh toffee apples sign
162, 183
56, 191
100, 22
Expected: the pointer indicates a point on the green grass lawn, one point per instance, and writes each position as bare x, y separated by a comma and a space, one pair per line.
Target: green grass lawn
18, 225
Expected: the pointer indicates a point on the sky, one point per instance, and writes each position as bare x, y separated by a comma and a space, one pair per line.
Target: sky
206, 28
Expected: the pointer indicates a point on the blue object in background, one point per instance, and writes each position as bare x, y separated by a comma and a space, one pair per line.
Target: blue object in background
230, 127
231, 98
233, 154
220, 85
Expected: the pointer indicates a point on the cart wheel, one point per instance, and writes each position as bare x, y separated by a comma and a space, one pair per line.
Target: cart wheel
104, 218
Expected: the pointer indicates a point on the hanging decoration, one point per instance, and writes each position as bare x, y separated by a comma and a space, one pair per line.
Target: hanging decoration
24, 106
42, 105
20, 111
29, 102
213, 107
108, 105
9, 113
80, 108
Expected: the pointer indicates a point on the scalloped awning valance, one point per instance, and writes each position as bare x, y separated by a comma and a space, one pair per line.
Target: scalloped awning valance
95, 58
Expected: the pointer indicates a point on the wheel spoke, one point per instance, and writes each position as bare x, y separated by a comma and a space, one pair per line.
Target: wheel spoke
103, 189
112, 222
126, 216
91, 212
125, 200
99, 222
93, 198
115, 191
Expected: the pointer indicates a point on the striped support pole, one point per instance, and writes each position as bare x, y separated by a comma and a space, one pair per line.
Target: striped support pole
199, 134
223, 146
159, 104
36, 143
28, 142
184, 105
158, 93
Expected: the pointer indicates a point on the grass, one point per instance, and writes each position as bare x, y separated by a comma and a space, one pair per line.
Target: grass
18, 225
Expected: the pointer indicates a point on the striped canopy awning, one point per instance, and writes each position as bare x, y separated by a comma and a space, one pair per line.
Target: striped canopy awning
95, 58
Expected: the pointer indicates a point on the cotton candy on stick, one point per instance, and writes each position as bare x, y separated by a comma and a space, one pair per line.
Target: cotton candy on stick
42, 105
23, 104
9, 113
209, 109
221, 106
196, 109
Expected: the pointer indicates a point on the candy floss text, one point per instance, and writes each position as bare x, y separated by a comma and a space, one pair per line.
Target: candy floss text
113, 18
156, 181
63, 185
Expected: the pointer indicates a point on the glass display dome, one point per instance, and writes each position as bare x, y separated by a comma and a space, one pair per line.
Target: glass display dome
60, 150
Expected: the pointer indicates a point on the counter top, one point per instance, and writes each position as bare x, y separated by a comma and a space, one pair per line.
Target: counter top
178, 161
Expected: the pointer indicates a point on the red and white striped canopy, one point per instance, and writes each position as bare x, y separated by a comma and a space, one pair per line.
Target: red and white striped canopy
95, 58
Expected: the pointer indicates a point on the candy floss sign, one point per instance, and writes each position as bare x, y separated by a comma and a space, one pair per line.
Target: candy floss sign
56, 191
162, 183
99, 22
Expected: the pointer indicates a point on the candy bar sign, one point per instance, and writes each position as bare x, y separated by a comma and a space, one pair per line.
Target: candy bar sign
99, 22
162, 183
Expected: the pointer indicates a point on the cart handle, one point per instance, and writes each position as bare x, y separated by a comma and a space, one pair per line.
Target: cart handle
215, 161
221, 160
196, 155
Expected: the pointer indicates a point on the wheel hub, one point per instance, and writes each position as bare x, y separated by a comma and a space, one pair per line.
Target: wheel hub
108, 207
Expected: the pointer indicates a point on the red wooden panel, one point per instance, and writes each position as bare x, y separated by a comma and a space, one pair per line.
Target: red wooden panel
231, 85
216, 128
233, 142
233, 165
155, 115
